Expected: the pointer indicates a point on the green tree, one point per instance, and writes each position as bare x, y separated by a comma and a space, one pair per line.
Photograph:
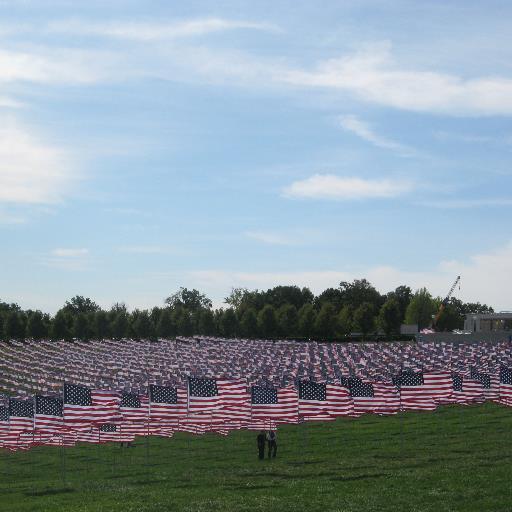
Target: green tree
421, 309
189, 299
344, 322
287, 320
142, 326
325, 324
100, 325
206, 322
183, 322
165, 327
403, 295
267, 323
120, 325
14, 328
229, 323
306, 320
59, 329
364, 318
359, 292
390, 316
37, 328
249, 323
81, 327
79, 304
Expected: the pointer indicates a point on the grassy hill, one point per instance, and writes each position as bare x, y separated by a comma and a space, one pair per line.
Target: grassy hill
458, 458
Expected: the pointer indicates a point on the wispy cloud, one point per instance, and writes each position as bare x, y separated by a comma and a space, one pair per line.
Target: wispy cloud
363, 130
69, 253
151, 31
31, 171
67, 258
373, 75
271, 238
329, 186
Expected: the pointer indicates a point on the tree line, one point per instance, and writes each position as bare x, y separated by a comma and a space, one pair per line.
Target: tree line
280, 312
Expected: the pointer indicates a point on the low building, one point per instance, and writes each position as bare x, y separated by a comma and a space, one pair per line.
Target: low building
487, 322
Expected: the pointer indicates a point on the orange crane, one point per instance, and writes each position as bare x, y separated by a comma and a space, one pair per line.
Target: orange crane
445, 301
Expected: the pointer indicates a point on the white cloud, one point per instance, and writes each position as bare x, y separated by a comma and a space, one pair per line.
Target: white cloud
70, 253
329, 186
485, 278
150, 31
270, 238
355, 125
31, 171
374, 76
48, 65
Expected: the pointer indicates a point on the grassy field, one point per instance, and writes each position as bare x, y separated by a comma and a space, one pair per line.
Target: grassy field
458, 458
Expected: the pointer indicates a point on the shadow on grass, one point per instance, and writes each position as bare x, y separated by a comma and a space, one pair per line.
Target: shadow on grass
50, 492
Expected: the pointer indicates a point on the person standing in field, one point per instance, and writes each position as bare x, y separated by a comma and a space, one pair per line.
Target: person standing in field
261, 444
272, 443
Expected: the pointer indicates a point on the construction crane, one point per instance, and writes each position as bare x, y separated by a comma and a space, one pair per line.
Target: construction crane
445, 301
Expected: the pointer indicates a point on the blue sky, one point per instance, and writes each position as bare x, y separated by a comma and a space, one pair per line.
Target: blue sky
146, 146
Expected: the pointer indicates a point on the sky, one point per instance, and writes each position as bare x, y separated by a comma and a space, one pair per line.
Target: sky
146, 146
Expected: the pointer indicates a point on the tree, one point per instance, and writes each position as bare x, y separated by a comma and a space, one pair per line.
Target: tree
287, 320
420, 309
120, 325
100, 325
403, 295
281, 295
165, 327
142, 326
333, 296
306, 320
364, 318
36, 326
267, 324
344, 321
390, 316
14, 328
325, 324
359, 292
249, 323
189, 299
79, 304
206, 322
236, 297
183, 322
81, 327
59, 327
229, 323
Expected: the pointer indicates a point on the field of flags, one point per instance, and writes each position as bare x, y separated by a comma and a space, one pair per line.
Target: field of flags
60, 394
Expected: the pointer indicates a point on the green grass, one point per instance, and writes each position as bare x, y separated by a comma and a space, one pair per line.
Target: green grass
458, 458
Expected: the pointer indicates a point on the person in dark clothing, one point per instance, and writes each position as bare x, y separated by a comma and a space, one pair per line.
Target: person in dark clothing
272, 443
261, 444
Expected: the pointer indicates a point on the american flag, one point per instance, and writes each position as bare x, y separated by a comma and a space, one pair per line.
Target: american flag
466, 390
505, 386
21, 415
272, 405
112, 432
423, 391
490, 383
167, 403
206, 395
373, 397
134, 408
48, 414
320, 399
84, 407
